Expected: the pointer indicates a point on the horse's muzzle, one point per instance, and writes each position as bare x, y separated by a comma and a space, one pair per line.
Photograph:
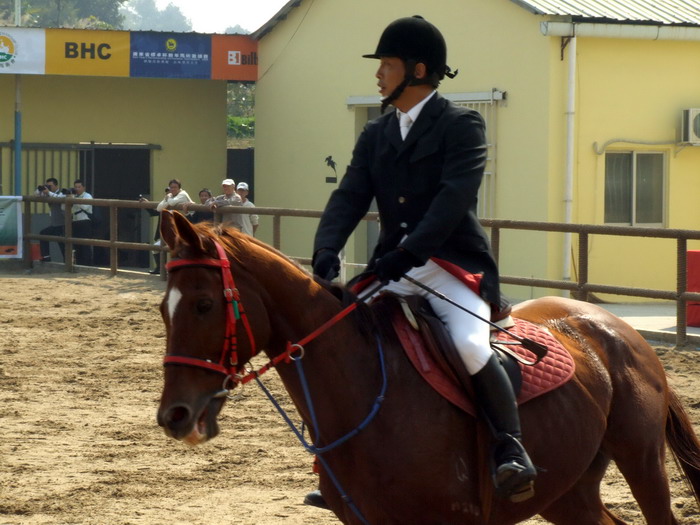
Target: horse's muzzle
180, 421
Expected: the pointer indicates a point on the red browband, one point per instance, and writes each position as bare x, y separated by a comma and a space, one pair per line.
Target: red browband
228, 362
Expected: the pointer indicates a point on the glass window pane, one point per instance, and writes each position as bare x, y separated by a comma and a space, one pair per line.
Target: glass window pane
649, 188
618, 188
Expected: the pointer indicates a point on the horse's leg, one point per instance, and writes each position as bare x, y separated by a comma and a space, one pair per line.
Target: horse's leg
645, 473
582, 505
636, 435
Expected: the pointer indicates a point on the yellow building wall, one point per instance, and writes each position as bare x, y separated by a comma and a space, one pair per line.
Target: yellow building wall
311, 62
632, 92
187, 118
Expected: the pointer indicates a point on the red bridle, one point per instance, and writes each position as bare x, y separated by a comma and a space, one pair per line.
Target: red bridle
228, 362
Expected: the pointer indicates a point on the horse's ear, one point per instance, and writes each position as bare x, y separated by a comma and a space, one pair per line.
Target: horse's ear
174, 228
168, 231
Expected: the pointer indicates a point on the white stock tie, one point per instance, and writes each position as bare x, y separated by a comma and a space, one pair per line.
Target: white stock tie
405, 122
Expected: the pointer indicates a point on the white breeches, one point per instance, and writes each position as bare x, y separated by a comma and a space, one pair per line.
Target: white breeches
470, 335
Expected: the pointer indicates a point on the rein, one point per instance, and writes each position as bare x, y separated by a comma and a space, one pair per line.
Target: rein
228, 362
287, 355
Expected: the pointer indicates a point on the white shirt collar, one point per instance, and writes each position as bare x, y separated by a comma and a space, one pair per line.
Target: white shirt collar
415, 110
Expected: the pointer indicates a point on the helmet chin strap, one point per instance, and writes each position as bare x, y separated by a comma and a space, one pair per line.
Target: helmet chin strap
395, 94
409, 79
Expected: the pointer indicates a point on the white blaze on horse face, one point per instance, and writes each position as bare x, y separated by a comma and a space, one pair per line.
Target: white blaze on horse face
174, 296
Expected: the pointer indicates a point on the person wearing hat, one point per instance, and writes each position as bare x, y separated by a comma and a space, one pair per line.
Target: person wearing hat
423, 162
250, 221
229, 197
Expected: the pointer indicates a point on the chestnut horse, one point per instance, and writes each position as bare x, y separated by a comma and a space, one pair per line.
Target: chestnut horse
403, 453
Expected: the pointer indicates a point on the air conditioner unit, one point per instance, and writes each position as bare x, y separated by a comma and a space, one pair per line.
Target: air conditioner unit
690, 126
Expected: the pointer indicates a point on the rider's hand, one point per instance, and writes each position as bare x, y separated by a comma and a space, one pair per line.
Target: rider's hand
393, 265
326, 264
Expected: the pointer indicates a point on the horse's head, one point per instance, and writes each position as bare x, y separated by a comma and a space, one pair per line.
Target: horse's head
215, 319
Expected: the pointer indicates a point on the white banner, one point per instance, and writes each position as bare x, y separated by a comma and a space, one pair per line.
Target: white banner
10, 227
22, 50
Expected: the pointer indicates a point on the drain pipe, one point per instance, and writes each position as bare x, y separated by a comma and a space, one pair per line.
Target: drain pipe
570, 152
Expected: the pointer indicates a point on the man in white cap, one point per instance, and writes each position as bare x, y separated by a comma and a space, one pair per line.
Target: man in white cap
228, 198
250, 221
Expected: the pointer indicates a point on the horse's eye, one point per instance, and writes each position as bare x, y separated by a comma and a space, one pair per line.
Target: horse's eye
204, 306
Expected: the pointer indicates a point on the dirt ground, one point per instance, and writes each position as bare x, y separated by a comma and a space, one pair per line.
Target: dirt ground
80, 379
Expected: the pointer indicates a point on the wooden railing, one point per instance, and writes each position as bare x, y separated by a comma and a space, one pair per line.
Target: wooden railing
581, 288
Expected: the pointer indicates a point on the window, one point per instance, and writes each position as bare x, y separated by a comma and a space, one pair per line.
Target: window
634, 188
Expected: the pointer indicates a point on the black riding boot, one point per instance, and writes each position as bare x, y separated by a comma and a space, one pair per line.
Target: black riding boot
315, 499
513, 472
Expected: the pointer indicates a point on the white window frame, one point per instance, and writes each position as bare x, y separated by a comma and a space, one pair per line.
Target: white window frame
633, 190
486, 103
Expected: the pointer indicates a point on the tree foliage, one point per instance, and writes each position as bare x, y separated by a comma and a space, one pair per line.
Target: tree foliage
240, 99
103, 14
241, 127
144, 15
241, 114
236, 30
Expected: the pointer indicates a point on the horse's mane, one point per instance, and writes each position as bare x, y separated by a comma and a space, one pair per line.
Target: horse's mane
363, 315
237, 244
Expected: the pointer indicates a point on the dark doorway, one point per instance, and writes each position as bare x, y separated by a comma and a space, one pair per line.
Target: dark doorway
120, 173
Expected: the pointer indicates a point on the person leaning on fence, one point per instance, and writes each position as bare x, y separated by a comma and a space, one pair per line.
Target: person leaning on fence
200, 216
229, 197
175, 198
57, 225
82, 223
250, 221
156, 235
423, 162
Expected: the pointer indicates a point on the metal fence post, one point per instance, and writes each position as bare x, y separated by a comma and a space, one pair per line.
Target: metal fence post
113, 237
277, 231
681, 288
26, 227
581, 293
68, 232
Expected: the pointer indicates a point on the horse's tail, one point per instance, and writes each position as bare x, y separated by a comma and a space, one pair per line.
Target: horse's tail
684, 442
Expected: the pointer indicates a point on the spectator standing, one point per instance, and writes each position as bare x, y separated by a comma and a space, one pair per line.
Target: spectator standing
57, 224
201, 216
250, 222
174, 198
156, 235
229, 197
82, 223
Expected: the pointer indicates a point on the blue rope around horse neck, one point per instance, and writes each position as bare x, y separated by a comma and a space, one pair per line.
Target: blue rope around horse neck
319, 451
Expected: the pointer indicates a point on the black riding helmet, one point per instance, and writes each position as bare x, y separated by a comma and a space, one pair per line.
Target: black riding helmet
414, 40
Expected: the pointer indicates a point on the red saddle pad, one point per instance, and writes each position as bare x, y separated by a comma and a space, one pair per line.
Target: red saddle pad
555, 369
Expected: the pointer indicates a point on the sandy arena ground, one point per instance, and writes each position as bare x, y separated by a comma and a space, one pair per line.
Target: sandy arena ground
80, 380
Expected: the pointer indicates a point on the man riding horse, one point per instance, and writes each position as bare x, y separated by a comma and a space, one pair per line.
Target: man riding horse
423, 163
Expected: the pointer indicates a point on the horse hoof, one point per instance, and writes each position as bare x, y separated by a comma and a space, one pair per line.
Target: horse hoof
315, 499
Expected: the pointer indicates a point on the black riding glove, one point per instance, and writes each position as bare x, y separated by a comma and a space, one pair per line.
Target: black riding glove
326, 264
394, 264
